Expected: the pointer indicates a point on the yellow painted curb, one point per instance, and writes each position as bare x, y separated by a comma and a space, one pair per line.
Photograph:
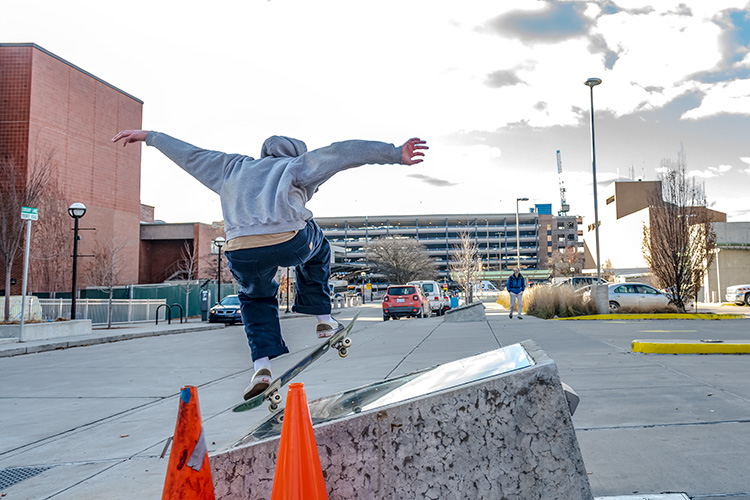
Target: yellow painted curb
655, 316
689, 347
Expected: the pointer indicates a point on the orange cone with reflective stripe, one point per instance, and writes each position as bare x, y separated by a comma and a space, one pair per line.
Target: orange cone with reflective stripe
298, 474
188, 471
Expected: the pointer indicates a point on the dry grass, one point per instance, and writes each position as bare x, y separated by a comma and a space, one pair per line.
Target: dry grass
549, 302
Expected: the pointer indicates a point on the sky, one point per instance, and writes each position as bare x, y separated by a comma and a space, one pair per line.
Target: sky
495, 88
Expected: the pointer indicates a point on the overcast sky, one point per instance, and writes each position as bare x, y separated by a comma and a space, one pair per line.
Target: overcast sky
494, 87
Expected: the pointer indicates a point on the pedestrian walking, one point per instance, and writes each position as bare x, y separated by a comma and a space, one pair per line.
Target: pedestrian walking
268, 226
516, 285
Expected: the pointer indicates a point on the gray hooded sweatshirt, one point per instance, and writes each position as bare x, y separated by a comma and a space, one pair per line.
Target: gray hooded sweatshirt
268, 195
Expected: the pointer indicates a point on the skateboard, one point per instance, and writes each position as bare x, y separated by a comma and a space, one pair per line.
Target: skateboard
339, 341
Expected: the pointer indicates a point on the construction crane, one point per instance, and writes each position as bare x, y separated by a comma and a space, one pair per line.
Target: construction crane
564, 207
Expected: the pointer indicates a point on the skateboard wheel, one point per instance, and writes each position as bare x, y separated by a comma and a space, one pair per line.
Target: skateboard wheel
343, 352
276, 398
273, 407
347, 342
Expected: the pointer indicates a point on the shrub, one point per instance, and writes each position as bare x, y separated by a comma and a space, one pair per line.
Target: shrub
556, 301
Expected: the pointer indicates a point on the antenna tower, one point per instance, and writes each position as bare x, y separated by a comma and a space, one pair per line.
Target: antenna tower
564, 207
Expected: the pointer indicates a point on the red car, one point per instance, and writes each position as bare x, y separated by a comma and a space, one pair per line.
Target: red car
405, 301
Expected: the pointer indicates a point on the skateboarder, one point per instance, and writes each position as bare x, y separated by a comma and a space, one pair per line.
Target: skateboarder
267, 224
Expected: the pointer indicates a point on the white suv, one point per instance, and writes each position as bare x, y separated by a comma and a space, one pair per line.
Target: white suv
435, 294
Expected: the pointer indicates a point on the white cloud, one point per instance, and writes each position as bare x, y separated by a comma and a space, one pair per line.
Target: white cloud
710, 172
725, 97
746, 159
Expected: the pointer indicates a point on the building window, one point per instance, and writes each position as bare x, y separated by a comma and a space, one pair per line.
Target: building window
560, 225
571, 225
571, 237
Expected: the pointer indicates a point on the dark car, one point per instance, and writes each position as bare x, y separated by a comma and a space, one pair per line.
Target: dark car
228, 311
405, 301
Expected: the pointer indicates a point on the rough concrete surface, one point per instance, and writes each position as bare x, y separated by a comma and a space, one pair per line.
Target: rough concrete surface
506, 437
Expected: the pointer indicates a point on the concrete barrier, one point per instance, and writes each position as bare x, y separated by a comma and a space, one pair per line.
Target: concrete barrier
468, 312
47, 330
507, 436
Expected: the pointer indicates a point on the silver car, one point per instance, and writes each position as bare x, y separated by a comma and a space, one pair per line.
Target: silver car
636, 296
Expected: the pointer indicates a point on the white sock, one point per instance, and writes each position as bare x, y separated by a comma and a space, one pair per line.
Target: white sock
262, 363
325, 318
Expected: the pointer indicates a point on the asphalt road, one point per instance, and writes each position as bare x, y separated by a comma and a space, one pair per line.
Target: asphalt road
93, 421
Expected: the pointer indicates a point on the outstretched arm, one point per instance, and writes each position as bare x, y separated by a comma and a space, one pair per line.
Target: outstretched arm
209, 167
411, 150
130, 136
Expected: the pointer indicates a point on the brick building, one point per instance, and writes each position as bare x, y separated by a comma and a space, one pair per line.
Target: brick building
180, 251
50, 108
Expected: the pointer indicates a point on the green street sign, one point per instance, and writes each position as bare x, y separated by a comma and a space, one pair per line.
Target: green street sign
28, 213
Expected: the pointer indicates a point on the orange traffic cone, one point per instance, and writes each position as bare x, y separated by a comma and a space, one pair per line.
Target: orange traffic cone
188, 471
298, 474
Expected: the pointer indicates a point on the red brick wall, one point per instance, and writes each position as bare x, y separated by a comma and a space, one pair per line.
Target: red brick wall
73, 115
147, 213
162, 249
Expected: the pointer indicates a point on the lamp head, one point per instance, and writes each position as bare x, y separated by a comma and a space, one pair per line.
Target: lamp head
522, 199
77, 210
219, 242
592, 82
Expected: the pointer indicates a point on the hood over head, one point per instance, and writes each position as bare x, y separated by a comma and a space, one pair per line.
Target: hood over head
279, 146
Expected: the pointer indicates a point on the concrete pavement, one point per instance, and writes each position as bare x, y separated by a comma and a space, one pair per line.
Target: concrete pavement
95, 419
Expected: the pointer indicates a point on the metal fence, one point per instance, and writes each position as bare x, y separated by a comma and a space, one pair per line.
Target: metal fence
123, 310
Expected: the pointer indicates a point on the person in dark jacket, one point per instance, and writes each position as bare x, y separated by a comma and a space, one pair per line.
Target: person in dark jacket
516, 285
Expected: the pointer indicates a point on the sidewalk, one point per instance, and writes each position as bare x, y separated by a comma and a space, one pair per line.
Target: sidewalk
102, 335
11, 347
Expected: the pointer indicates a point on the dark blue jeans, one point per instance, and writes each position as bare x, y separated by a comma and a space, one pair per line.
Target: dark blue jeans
255, 268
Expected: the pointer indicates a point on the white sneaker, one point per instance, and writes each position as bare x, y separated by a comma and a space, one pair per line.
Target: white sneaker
260, 382
326, 329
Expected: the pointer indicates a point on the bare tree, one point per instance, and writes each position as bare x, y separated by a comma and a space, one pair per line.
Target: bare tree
678, 241
187, 269
104, 270
566, 263
20, 186
465, 265
51, 244
608, 272
400, 260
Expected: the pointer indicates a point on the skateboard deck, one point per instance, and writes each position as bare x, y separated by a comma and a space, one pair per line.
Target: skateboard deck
339, 341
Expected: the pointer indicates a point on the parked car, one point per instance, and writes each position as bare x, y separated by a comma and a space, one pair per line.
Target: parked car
405, 301
739, 294
435, 295
228, 311
578, 282
635, 295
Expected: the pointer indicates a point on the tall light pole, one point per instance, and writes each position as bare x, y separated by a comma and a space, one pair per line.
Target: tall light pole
591, 83
76, 210
518, 236
219, 242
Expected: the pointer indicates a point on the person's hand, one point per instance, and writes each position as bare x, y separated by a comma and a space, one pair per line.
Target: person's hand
130, 136
411, 150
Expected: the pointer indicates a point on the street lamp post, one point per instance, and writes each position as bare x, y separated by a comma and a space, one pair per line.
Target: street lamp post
219, 242
518, 236
591, 83
76, 210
